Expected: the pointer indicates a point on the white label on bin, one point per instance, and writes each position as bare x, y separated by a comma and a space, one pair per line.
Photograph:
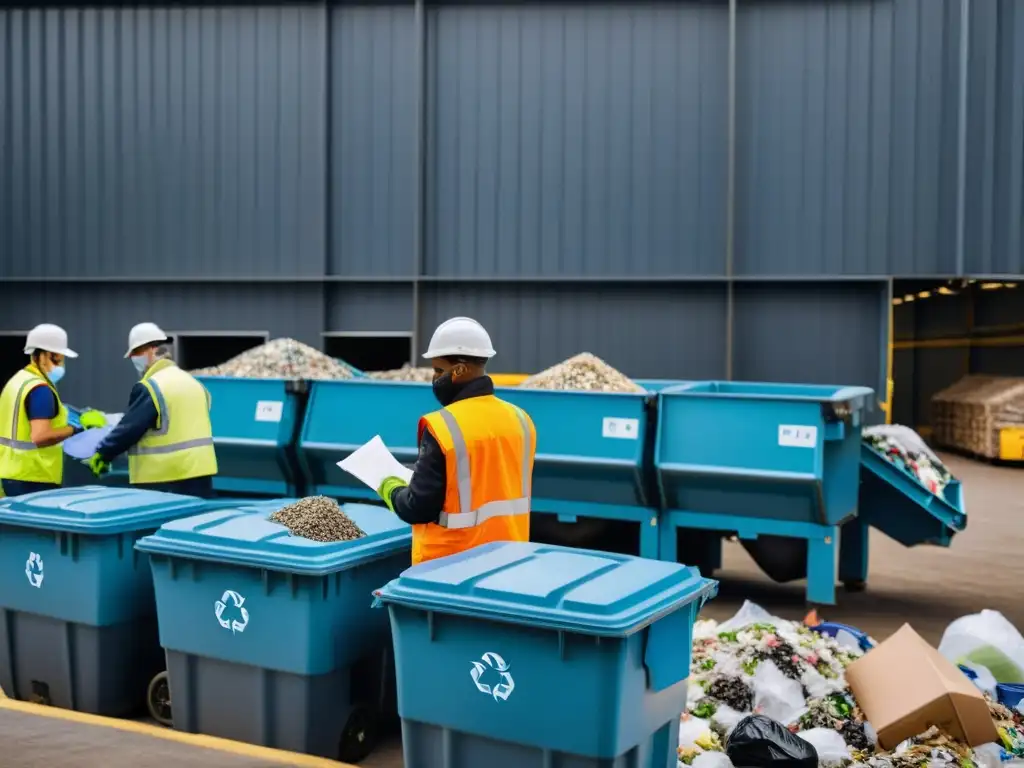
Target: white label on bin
491, 676
34, 569
624, 429
230, 612
797, 436
269, 410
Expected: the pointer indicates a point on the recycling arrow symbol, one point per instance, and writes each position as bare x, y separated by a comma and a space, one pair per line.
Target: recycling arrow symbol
231, 597
34, 569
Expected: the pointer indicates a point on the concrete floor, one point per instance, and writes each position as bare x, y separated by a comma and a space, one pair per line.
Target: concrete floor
927, 587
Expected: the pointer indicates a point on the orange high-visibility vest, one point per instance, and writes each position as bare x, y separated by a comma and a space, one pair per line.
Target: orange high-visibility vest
488, 446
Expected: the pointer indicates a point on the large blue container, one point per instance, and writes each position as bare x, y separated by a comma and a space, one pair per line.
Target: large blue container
520, 654
343, 415
777, 461
78, 625
270, 638
590, 461
254, 427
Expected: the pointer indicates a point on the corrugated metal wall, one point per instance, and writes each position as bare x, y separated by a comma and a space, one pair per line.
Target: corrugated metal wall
559, 170
560, 140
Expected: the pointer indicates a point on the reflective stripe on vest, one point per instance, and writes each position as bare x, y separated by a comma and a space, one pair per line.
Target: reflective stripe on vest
468, 517
12, 441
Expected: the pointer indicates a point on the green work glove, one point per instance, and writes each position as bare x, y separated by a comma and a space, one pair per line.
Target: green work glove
388, 487
98, 465
92, 420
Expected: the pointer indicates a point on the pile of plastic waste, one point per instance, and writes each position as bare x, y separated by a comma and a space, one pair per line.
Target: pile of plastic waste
903, 447
765, 691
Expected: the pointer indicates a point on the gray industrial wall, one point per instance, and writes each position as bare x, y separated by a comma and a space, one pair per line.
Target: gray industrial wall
561, 171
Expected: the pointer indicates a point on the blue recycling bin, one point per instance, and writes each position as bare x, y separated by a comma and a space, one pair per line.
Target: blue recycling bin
524, 654
271, 638
777, 464
78, 620
255, 424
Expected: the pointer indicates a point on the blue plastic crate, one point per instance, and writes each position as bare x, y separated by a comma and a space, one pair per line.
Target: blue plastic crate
270, 638
254, 425
78, 625
343, 415
526, 654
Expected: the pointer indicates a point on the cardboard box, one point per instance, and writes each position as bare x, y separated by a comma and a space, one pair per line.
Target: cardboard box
904, 686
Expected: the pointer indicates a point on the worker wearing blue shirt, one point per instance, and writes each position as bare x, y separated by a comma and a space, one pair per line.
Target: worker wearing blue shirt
33, 420
166, 430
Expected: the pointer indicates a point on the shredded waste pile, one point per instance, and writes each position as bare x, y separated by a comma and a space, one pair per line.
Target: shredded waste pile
318, 518
405, 373
970, 414
903, 447
582, 372
281, 359
757, 670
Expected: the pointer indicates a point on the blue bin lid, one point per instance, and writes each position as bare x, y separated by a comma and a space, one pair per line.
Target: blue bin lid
246, 536
576, 590
96, 509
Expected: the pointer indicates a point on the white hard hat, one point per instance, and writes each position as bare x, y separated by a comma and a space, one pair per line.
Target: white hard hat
142, 334
49, 338
460, 336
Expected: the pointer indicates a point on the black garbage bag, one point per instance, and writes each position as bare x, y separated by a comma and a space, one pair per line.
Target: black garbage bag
760, 742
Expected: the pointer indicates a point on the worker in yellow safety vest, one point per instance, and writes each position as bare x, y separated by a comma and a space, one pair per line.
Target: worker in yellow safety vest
472, 479
33, 420
166, 430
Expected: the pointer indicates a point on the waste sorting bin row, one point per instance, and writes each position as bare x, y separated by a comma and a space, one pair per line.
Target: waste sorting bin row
666, 474
509, 653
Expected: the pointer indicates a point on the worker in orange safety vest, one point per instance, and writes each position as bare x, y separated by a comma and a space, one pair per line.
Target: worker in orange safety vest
471, 481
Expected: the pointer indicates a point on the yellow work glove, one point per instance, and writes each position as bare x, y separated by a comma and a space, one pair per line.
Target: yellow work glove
92, 420
98, 465
388, 487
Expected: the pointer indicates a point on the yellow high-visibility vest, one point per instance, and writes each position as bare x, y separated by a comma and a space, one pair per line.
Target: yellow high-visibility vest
20, 458
181, 445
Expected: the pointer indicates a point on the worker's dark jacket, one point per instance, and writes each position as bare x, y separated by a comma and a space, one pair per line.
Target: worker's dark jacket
141, 417
421, 501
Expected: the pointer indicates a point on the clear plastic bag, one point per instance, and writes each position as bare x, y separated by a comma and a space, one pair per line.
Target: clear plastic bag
749, 613
691, 729
986, 639
712, 760
829, 745
776, 696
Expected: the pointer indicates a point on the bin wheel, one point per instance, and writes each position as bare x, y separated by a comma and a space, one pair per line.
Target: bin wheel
158, 699
855, 585
359, 736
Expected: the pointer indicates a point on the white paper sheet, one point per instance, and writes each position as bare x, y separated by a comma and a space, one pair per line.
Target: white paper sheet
373, 463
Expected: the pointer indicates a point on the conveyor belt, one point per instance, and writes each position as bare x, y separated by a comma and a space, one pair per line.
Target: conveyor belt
33, 736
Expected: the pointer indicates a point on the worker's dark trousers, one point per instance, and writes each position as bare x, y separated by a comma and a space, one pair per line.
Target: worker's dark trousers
21, 487
194, 486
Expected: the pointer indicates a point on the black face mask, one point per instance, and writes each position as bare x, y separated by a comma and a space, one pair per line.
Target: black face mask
445, 389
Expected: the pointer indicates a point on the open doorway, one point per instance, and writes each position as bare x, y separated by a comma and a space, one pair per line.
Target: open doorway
210, 348
370, 351
12, 354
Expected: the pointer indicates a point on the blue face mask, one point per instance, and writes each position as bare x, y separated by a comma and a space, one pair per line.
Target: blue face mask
141, 363
56, 374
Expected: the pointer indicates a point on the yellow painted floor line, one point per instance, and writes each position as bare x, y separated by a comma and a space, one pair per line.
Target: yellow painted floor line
168, 734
